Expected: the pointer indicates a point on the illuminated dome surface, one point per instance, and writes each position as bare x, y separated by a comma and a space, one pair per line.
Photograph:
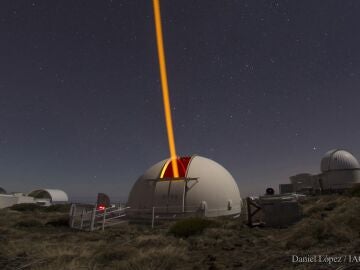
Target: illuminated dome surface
202, 184
338, 159
54, 195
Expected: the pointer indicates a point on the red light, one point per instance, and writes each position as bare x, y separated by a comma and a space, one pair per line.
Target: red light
101, 207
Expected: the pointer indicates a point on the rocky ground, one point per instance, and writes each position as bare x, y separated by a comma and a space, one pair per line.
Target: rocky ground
40, 239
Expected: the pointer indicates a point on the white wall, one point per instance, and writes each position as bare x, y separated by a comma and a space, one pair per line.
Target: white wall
7, 200
340, 179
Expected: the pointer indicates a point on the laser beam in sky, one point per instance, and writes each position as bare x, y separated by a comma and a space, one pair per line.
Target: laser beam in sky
165, 87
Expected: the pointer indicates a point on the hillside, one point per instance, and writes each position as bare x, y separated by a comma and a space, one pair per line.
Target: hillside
40, 239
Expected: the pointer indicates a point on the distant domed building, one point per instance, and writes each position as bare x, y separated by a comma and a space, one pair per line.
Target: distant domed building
203, 186
339, 170
337, 159
49, 196
43, 197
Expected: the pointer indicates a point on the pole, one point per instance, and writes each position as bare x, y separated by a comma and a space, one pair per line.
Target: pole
103, 223
72, 214
82, 218
93, 219
153, 218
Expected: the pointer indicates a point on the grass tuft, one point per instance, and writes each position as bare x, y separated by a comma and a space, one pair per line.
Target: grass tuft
190, 226
31, 207
59, 222
30, 223
166, 258
25, 207
355, 191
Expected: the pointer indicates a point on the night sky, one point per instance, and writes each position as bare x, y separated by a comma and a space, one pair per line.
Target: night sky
265, 88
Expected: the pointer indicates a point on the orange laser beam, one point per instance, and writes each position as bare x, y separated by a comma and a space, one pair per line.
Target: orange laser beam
165, 87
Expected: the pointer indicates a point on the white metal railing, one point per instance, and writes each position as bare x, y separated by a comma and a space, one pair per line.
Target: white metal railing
83, 218
92, 219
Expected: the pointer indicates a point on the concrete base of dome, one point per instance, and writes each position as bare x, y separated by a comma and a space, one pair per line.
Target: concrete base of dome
341, 179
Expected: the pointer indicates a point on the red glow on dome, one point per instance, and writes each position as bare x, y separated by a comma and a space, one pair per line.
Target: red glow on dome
182, 162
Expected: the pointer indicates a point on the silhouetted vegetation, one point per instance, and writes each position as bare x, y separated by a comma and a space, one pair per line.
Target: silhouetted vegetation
355, 191
64, 208
30, 207
29, 223
190, 226
59, 222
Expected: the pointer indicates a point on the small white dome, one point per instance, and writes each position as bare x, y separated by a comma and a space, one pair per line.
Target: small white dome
338, 159
54, 195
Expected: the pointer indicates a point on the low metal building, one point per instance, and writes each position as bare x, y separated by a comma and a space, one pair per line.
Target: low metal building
7, 200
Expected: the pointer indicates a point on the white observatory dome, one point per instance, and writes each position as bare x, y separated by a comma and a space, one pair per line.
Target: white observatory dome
338, 159
202, 185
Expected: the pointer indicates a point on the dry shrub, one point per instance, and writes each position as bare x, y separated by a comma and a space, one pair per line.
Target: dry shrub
165, 258
59, 222
29, 223
355, 191
332, 220
190, 226
234, 224
64, 256
326, 203
145, 241
31, 207
25, 207
108, 252
219, 234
